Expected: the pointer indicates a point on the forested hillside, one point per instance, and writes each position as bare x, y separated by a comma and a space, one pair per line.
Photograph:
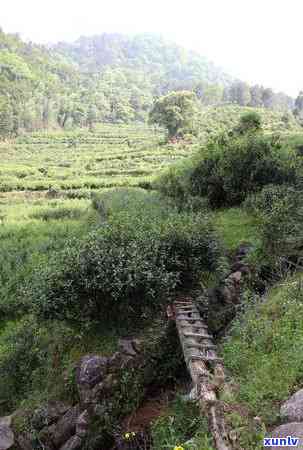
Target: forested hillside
167, 65
110, 78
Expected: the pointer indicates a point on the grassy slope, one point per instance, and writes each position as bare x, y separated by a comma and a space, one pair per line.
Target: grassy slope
236, 226
266, 343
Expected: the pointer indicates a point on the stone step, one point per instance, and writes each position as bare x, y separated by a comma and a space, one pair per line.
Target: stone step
201, 346
205, 358
198, 335
181, 316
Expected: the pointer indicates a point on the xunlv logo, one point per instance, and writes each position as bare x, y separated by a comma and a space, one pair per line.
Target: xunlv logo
289, 441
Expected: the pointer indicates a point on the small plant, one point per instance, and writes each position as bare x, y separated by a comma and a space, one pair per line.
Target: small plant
249, 122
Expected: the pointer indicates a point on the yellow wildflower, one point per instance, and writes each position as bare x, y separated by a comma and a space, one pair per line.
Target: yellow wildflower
179, 447
129, 435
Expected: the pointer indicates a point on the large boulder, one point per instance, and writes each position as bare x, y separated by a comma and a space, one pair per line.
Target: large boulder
7, 438
286, 431
60, 432
127, 347
292, 409
91, 370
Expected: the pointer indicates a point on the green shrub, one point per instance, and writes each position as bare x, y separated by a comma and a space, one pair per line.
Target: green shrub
236, 166
133, 261
282, 228
232, 166
263, 203
281, 211
250, 121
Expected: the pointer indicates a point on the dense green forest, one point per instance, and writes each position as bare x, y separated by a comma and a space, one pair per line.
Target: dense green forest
110, 78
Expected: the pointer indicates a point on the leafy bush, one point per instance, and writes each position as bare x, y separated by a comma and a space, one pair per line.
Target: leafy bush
263, 203
250, 121
175, 181
233, 166
130, 263
278, 212
237, 166
281, 210
283, 233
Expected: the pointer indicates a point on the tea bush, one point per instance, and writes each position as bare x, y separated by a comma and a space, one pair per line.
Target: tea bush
134, 260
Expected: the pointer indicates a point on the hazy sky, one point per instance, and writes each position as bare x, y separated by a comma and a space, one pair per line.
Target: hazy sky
257, 41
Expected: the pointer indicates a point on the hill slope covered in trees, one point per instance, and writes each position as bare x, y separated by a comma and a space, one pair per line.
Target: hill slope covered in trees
108, 78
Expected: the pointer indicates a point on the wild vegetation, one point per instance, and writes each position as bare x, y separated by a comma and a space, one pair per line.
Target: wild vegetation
132, 170
117, 257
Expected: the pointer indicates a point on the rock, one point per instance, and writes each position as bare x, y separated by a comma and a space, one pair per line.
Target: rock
294, 429
6, 420
91, 370
235, 277
24, 442
292, 409
103, 389
243, 250
82, 424
126, 347
74, 443
64, 429
240, 267
229, 294
7, 437
48, 414
138, 345
123, 361
115, 362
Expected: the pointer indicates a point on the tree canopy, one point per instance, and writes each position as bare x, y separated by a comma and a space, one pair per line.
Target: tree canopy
176, 112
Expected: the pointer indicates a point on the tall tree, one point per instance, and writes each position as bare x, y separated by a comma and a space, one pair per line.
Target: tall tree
256, 93
299, 102
268, 98
177, 112
240, 93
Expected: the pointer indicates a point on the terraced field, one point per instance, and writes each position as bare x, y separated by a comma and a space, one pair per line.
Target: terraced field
110, 156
